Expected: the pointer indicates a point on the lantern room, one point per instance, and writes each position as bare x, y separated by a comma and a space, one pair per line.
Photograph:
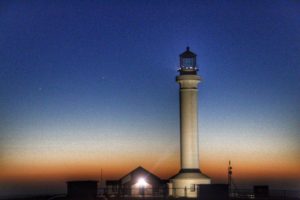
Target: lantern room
188, 63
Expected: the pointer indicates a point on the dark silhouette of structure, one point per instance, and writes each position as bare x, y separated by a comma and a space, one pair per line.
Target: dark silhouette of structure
261, 191
213, 192
82, 190
79, 190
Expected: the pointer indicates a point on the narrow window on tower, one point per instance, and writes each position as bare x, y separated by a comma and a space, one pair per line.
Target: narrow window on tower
193, 187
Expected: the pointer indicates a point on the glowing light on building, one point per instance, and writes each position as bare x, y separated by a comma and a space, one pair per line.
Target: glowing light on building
142, 182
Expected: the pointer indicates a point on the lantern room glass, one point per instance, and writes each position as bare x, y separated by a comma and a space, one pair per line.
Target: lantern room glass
188, 63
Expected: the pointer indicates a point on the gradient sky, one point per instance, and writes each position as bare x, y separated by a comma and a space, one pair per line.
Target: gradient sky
86, 85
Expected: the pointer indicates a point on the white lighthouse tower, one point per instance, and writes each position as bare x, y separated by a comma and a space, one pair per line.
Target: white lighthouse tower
184, 184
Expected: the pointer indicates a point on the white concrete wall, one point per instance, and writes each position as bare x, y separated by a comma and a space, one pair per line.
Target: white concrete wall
189, 121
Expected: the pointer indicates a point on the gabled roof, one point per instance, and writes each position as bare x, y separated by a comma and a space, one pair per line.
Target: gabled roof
140, 170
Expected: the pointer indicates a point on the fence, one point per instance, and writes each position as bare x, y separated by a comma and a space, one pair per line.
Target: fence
163, 193
270, 195
210, 192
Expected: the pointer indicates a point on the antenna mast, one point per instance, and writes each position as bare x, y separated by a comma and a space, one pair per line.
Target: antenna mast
101, 178
230, 179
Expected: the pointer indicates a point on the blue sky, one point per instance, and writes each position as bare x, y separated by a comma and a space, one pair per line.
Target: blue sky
99, 76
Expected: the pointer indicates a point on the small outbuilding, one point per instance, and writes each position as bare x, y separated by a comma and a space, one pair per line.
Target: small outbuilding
138, 182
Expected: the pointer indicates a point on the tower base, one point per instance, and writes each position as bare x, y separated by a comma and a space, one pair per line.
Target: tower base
184, 184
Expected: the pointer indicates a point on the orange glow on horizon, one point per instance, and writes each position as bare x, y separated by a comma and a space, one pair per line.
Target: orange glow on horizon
55, 165
115, 170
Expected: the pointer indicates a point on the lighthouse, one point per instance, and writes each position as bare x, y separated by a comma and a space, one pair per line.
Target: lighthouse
185, 182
